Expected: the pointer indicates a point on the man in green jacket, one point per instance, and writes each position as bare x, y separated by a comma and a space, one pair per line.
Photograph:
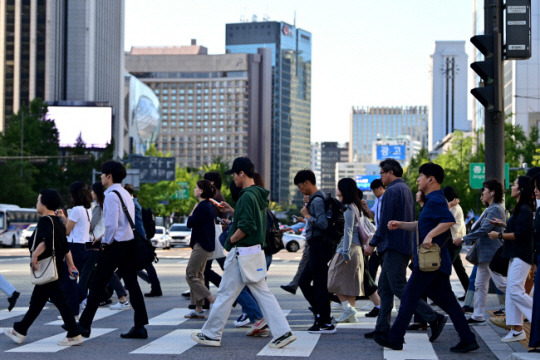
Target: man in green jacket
247, 234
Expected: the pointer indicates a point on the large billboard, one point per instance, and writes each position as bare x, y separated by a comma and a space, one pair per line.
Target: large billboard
364, 181
396, 152
92, 123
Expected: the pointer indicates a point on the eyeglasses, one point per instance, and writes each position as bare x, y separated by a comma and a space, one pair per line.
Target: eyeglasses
383, 172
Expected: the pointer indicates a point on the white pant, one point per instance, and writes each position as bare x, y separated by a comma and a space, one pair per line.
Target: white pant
231, 285
518, 302
481, 286
6, 287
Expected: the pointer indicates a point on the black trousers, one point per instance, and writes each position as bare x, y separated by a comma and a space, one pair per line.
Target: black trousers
150, 276
118, 255
458, 264
39, 298
316, 272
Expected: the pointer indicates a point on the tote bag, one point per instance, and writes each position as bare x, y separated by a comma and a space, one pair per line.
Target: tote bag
219, 252
46, 268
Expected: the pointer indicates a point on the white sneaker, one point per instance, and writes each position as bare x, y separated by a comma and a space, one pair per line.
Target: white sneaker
13, 335
348, 315
77, 340
514, 336
120, 306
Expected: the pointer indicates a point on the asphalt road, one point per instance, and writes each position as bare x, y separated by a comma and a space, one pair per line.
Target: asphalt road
169, 331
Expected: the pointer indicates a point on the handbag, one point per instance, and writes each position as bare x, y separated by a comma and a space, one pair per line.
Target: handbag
472, 254
219, 252
252, 263
428, 259
145, 252
362, 234
46, 268
498, 264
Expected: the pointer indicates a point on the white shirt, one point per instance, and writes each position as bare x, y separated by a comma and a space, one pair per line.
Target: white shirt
376, 209
117, 226
81, 231
458, 229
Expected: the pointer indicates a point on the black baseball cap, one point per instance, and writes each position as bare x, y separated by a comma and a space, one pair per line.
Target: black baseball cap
242, 164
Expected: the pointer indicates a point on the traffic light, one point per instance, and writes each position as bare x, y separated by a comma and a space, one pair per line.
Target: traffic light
489, 70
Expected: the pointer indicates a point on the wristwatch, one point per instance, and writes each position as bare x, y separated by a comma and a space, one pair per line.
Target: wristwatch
500, 235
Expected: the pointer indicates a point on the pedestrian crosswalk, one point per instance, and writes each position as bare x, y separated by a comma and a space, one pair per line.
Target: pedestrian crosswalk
174, 332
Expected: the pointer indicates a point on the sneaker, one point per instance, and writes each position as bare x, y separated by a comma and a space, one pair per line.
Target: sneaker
77, 340
472, 321
373, 313
262, 333
105, 302
13, 335
322, 329
194, 315
514, 336
500, 312
463, 348
384, 341
282, 341
186, 294
242, 320
348, 315
120, 306
205, 340
257, 326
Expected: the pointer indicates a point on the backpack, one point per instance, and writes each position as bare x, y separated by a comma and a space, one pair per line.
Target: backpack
334, 215
274, 242
149, 223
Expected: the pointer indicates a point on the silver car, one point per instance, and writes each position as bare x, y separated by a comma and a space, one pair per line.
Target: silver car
23, 241
161, 239
180, 234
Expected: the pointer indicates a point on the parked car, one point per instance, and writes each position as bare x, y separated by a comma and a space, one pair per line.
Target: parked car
180, 234
23, 241
161, 239
293, 242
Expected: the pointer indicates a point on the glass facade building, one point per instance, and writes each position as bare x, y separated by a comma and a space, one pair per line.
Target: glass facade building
291, 97
371, 123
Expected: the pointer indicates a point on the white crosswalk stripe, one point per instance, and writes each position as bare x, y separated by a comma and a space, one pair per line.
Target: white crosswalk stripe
101, 313
174, 343
417, 346
302, 347
172, 317
49, 344
4, 314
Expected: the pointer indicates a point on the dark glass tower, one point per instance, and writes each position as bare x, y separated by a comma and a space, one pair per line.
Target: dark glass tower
291, 96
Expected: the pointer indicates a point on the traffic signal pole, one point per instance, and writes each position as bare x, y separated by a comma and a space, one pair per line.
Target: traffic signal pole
494, 118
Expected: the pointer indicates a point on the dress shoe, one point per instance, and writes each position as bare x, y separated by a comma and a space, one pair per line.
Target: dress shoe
463, 348
417, 326
135, 333
384, 341
154, 294
371, 334
289, 289
461, 298
437, 327
374, 312
13, 300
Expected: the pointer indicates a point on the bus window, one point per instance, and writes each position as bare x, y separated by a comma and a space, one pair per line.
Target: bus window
2, 218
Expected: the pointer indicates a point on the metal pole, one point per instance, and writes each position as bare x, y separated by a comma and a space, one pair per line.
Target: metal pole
22, 137
494, 120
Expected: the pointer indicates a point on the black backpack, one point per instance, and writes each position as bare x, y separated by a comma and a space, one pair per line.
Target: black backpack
149, 223
334, 215
274, 242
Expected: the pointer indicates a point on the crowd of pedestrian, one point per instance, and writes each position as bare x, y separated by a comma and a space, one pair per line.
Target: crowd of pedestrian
97, 246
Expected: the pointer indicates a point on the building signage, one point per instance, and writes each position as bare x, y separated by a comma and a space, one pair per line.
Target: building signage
477, 175
364, 181
396, 152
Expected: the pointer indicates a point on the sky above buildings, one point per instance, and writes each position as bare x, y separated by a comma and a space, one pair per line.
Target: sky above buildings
365, 52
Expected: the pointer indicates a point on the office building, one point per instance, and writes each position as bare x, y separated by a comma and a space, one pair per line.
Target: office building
330, 155
63, 51
368, 124
316, 160
291, 96
213, 106
448, 111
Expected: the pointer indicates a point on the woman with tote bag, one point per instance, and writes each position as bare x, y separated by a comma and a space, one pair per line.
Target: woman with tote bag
48, 243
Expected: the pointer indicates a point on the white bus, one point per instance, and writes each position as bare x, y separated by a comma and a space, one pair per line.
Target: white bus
13, 220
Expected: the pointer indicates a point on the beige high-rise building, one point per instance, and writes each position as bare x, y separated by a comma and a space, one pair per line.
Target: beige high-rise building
212, 105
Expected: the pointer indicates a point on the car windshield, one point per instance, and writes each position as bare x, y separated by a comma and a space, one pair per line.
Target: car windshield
159, 231
179, 228
31, 228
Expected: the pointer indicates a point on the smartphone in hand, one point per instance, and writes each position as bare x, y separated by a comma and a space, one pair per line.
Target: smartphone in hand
215, 202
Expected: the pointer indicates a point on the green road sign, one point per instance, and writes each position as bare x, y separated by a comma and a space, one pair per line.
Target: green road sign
477, 175
181, 194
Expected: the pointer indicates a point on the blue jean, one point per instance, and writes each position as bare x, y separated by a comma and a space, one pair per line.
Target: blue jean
6, 287
248, 302
435, 285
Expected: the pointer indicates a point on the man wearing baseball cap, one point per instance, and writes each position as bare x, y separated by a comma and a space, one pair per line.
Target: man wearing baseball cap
248, 231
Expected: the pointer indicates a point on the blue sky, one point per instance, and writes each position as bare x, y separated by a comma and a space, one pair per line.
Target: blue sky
365, 53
